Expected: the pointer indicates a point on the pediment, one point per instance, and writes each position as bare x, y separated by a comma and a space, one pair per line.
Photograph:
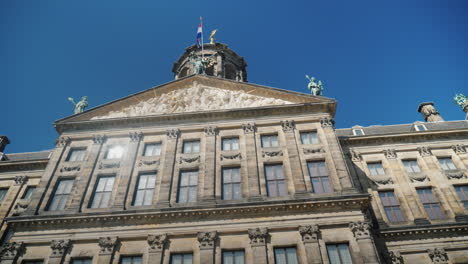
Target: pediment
195, 94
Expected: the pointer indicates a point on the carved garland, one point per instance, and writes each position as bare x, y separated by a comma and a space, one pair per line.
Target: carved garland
361, 229
313, 151
271, 154
107, 244
249, 128
258, 236
438, 255
189, 159
158, 242
207, 239
60, 247
231, 157
70, 168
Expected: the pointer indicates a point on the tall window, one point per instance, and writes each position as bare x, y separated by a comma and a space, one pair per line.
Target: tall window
60, 197
33, 261
76, 154
411, 166
269, 141
391, 206
276, 184
319, 176
231, 184
3, 192
82, 261
188, 187
103, 192
192, 146
145, 189
233, 257
231, 143
28, 193
152, 149
285, 255
375, 168
431, 204
339, 254
309, 138
131, 260
181, 258
462, 191
447, 163
114, 152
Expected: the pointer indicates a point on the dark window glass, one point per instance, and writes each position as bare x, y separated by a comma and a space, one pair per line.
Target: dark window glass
276, 184
231, 184
188, 187
319, 176
233, 257
231, 143
376, 168
411, 166
269, 141
3, 192
82, 261
309, 138
60, 197
103, 192
285, 255
192, 146
29, 191
152, 149
33, 261
181, 258
339, 254
431, 203
131, 260
114, 152
145, 189
462, 191
391, 206
447, 164
76, 155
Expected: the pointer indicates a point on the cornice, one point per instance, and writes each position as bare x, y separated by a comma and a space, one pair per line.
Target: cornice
23, 165
412, 232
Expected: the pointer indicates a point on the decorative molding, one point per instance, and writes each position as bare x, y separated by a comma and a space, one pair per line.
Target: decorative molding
20, 207
135, 136
395, 257
60, 247
11, 250
231, 157
148, 163
380, 179
189, 159
211, 130
313, 150
107, 244
62, 142
70, 168
99, 139
249, 128
37, 165
355, 156
390, 153
110, 165
418, 177
438, 255
271, 154
158, 242
424, 151
173, 133
258, 236
327, 122
288, 125
455, 174
361, 229
20, 180
459, 149
309, 233
207, 239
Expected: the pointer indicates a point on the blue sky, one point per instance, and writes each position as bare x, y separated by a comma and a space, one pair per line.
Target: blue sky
378, 59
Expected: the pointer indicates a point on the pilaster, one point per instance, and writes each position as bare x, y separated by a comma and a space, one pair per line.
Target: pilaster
293, 154
10, 252
168, 167
108, 246
252, 162
208, 242
310, 238
59, 250
362, 233
210, 164
259, 237
156, 247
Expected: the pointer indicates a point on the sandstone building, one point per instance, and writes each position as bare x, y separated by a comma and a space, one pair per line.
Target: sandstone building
213, 169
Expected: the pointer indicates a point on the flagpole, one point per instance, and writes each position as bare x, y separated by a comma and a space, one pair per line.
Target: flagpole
201, 23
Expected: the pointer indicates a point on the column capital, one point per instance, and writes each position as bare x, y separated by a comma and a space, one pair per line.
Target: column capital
62, 142
258, 236
355, 156
60, 247
309, 233
135, 136
438, 255
211, 130
424, 151
158, 242
361, 229
288, 125
11, 250
99, 139
395, 257
390, 154
459, 149
173, 133
327, 122
107, 245
20, 180
207, 239
249, 128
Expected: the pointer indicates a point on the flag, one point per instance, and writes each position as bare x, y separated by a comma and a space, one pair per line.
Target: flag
199, 35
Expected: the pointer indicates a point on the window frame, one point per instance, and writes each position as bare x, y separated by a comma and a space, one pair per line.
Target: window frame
357, 134
340, 256
171, 261
130, 256
96, 185
375, 163
54, 194
269, 136
25, 193
463, 200
392, 206
188, 187
444, 164
2, 197
152, 144
285, 248
416, 127
191, 142
276, 180
81, 259
147, 190
231, 183
32, 261
431, 204
72, 150
411, 166
233, 257
309, 137
325, 186
230, 143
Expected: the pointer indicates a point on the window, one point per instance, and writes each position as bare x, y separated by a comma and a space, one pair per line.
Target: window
391, 206
131, 260
411, 166
309, 138
430, 203
269, 141
233, 257
191, 146
103, 192
29, 191
376, 168
358, 132
285, 256
33, 261
3, 192
145, 189
339, 254
181, 258
60, 197
152, 149
188, 187
231, 143
76, 155
319, 176
82, 261
276, 183
420, 127
447, 163
231, 184
462, 191
114, 152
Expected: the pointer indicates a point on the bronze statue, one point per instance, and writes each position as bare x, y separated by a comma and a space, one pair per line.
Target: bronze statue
81, 105
315, 88
200, 64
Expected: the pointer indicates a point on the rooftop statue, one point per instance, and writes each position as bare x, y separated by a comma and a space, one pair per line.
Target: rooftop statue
462, 101
315, 88
200, 64
81, 105
212, 39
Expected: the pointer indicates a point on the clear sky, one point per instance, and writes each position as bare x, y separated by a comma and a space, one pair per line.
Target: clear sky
379, 59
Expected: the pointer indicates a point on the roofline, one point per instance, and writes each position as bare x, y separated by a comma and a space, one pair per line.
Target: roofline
374, 126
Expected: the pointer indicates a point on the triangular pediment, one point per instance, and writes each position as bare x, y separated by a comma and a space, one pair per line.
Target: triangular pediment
195, 94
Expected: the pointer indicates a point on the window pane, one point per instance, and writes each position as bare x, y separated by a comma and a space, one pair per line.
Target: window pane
462, 191
333, 254
188, 186
275, 183
344, 254
27, 194
233, 257
280, 256
103, 192
82, 261
309, 138
376, 169
152, 149
61, 194
3, 193
76, 155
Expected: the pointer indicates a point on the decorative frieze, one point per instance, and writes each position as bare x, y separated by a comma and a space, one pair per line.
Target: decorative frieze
207, 239
355, 156
361, 229
11, 250
249, 128
158, 242
313, 150
327, 122
395, 257
109, 165
189, 159
60, 247
438, 255
258, 236
424, 151
148, 163
271, 154
231, 157
70, 168
20, 180
459, 149
62, 142
135, 136
173, 133
288, 125
107, 244
211, 130
390, 154
99, 139
309, 233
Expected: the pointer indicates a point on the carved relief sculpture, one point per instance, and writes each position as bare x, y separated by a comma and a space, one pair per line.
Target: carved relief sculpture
148, 162
99, 139
172, 133
395, 257
327, 122
231, 157
10, 250
390, 153
70, 168
271, 154
309, 233
210, 131
60, 247
107, 244
459, 149
248, 128
438, 255
313, 150
207, 239
288, 125
188, 159
109, 165
158, 242
380, 179
258, 236
20, 180
355, 156
361, 229
62, 142
418, 177
20, 207
424, 151
135, 136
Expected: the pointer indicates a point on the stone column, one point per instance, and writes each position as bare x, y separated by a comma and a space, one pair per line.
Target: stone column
210, 165
59, 250
10, 252
208, 242
157, 245
126, 171
362, 233
310, 237
293, 155
107, 245
168, 167
252, 162
337, 154
258, 241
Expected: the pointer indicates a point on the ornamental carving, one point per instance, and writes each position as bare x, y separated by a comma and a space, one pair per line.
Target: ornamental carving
62, 142
20, 207
173, 133
288, 125
158, 242
107, 244
271, 154
99, 139
211, 131
355, 156
135, 136
313, 150
459, 149
380, 179
10, 250
424, 151
70, 168
258, 236
60, 247
327, 122
109, 165
361, 229
148, 163
309, 233
438, 255
249, 128
390, 153
455, 174
207, 239
189, 159
395, 257
418, 177
20, 180
231, 157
